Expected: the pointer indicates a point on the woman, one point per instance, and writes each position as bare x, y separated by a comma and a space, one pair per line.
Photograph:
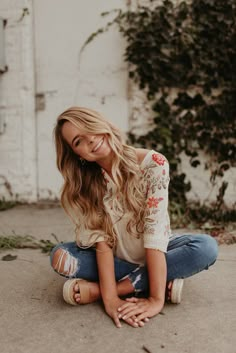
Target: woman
117, 196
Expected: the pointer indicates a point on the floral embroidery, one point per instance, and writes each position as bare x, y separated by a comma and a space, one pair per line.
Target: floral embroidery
154, 201
148, 229
104, 176
158, 158
154, 180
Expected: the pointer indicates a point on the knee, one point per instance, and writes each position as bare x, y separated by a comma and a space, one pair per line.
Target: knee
54, 254
63, 262
209, 248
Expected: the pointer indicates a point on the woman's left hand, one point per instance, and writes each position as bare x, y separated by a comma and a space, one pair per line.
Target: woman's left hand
142, 308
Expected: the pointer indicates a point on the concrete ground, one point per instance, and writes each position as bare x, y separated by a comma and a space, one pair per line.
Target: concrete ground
34, 318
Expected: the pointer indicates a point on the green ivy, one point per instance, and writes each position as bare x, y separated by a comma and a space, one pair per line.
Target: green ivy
189, 48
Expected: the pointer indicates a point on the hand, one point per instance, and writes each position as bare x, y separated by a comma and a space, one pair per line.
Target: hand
140, 308
111, 308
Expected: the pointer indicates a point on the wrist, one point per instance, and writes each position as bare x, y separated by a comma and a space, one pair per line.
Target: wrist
157, 299
108, 293
107, 301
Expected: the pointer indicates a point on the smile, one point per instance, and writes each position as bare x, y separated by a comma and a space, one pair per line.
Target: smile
98, 145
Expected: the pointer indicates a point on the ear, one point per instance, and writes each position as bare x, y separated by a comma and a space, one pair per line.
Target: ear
83, 161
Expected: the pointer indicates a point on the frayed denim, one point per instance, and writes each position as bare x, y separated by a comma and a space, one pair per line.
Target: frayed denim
186, 255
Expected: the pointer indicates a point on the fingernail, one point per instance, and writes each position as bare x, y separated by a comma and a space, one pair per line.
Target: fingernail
118, 309
119, 316
124, 317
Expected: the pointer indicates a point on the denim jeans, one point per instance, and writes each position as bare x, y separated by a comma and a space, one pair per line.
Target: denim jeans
186, 255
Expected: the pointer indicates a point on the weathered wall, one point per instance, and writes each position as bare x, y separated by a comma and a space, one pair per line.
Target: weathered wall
47, 73
95, 78
17, 119
53, 33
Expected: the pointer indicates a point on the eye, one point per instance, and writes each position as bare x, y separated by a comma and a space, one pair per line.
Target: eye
77, 142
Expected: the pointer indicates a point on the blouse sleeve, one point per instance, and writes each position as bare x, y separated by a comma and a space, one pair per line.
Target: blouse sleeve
156, 219
86, 238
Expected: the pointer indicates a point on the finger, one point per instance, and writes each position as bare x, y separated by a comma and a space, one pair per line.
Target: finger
131, 322
133, 318
117, 321
132, 300
129, 310
126, 305
135, 312
140, 307
140, 323
135, 300
142, 317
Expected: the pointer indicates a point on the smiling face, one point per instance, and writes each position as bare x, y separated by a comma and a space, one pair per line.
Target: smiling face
91, 147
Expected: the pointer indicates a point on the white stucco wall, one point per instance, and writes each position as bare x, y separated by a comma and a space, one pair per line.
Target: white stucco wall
17, 118
42, 53
96, 78
202, 189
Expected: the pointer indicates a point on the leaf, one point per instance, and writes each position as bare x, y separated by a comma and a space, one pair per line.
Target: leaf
195, 163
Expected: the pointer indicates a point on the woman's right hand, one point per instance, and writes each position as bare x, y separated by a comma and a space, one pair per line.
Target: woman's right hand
111, 307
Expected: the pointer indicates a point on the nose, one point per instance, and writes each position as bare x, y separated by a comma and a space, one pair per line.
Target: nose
91, 139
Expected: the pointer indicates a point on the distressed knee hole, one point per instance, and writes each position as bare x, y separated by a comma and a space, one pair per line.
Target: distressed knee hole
64, 263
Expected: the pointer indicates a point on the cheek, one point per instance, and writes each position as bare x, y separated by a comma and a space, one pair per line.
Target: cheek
107, 142
76, 151
79, 151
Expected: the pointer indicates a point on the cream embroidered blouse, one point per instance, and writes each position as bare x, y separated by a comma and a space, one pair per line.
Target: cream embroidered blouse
154, 175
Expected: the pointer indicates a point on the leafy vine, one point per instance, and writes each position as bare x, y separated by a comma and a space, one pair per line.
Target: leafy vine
189, 48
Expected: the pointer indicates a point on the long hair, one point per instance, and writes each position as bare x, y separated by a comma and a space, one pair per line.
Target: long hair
84, 185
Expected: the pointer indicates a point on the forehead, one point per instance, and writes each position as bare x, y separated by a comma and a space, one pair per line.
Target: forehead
69, 131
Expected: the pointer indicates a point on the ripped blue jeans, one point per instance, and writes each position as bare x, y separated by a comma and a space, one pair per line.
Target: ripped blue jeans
186, 255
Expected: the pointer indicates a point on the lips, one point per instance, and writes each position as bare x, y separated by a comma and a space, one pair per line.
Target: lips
98, 145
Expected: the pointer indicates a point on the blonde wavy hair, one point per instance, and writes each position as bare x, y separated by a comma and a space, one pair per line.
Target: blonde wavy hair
84, 184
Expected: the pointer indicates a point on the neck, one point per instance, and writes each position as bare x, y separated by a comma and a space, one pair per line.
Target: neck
106, 164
